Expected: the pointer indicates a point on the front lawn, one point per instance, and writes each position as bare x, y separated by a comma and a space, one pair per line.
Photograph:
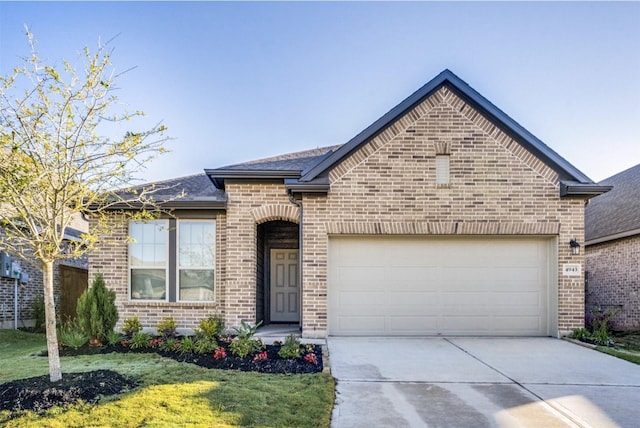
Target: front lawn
626, 346
170, 393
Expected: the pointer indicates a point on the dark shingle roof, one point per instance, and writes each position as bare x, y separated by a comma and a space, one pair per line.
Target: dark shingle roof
617, 213
298, 161
196, 191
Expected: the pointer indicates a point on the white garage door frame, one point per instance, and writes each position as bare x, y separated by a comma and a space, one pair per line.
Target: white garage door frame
363, 302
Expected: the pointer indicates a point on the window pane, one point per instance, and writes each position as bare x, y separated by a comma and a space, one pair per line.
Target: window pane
197, 285
149, 245
196, 244
148, 284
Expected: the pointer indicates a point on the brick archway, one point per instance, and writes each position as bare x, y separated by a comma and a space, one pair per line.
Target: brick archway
274, 212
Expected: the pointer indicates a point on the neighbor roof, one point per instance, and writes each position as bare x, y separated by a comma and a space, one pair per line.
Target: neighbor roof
309, 172
615, 214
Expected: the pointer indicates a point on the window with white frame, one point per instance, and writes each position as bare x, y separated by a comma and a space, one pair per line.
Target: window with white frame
196, 260
148, 259
172, 260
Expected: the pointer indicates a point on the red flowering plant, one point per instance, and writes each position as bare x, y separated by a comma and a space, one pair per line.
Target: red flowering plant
219, 354
310, 359
260, 356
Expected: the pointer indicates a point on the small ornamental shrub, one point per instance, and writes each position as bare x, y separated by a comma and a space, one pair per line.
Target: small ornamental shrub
139, 340
113, 338
205, 345
311, 359
219, 354
187, 346
131, 326
169, 345
71, 335
290, 349
260, 356
155, 342
97, 312
211, 327
37, 308
309, 348
167, 327
580, 333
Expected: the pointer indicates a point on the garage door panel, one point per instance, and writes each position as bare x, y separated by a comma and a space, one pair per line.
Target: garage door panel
352, 298
358, 324
413, 324
464, 286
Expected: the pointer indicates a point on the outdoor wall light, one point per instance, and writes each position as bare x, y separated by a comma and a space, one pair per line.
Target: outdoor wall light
575, 247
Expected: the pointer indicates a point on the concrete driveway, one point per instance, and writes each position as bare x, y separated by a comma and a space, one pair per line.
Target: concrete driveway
480, 382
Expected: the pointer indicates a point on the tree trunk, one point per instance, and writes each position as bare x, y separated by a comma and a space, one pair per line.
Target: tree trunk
55, 373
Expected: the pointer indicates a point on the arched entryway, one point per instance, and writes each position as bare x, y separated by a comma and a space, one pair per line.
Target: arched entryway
278, 276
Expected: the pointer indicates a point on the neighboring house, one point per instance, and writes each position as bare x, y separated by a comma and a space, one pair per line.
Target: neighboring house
612, 234
445, 216
70, 279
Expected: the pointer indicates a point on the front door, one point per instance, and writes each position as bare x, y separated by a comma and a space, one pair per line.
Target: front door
285, 289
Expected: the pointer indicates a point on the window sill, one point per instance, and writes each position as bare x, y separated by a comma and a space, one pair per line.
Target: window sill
146, 304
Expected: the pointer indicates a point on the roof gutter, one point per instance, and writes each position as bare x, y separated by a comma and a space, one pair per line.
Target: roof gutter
620, 235
316, 186
219, 175
581, 189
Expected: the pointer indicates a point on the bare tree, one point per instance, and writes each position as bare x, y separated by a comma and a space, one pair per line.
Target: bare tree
58, 160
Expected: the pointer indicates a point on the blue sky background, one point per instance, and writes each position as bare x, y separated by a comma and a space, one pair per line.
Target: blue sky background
242, 81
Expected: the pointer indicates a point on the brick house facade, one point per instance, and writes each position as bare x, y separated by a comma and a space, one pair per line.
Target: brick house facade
444, 171
612, 256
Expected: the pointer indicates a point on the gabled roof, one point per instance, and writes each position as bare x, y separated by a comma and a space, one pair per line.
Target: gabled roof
615, 214
565, 170
307, 171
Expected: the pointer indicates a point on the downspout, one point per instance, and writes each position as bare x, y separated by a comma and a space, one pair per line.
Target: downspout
299, 205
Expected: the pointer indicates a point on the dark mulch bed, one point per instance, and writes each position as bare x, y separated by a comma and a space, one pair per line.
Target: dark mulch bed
38, 393
274, 364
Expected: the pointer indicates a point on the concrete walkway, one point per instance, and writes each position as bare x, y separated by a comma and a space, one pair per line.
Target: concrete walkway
480, 382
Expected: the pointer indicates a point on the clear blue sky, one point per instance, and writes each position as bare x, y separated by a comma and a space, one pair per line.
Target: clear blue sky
241, 81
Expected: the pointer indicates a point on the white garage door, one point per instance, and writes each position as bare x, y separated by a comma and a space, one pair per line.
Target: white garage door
449, 286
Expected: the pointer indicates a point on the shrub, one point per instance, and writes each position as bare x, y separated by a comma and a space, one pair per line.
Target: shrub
205, 345
219, 354
37, 307
113, 338
244, 344
140, 340
71, 335
290, 349
131, 326
211, 327
167, 327
187, 346
97, 312
169, 345
580, 333
246, 330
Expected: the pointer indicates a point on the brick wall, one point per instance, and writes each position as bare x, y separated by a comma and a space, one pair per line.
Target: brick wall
388, 187
111, 260
614, 279
27, 292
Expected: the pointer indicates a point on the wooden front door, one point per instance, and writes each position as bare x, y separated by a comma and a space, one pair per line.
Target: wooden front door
285, 289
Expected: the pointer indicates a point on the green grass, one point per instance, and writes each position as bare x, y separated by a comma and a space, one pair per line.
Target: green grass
631, 356
171, 393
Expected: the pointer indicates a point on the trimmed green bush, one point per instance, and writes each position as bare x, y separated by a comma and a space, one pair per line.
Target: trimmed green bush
97, 312
131, 326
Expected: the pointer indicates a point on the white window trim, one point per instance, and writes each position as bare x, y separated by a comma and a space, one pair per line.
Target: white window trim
215, 260
166, 275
